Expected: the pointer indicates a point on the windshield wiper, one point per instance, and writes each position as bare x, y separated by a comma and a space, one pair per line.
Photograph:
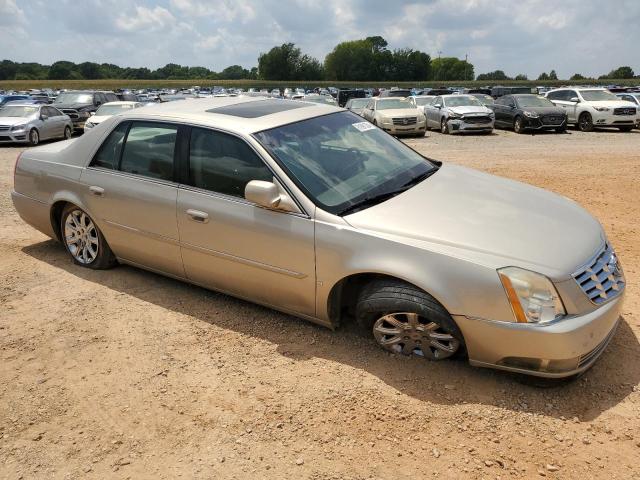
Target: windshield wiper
381, 197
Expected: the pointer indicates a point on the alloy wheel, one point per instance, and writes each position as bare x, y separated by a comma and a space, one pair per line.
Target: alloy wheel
81, 237
34, 137
409, 333
67, 133
444, 128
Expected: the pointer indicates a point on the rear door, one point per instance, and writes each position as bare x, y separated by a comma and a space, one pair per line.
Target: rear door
131, 193
57, 121
235, 246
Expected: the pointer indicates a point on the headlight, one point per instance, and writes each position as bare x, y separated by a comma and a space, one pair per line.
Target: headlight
89, 125
453, 116
531, 114
421, 118
533, 298
16, 128
601, 109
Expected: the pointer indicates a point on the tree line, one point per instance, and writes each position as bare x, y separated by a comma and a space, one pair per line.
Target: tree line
367, 59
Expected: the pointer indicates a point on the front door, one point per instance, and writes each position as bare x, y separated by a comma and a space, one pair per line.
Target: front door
234, 246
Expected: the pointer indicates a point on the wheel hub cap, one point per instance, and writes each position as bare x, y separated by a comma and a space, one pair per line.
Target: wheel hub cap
409, 333
81, 237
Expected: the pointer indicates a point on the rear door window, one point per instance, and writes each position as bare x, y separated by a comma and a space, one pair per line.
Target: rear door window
149, 150
108, 156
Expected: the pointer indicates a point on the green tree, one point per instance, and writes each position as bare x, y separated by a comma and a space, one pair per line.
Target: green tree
577, 76
553, 75
109, 70
64, 70
199, 72
8, 70
543, 76
451, 68
521, 76
495, 75
287, 62
620, 72
234, 72
90, 70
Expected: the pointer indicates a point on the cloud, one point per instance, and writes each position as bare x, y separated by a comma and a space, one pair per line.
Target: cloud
534, 36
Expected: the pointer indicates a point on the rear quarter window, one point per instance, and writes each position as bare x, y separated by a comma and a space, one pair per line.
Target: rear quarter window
108, 154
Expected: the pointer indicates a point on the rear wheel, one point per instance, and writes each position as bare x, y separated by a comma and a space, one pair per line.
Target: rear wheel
83, 240
67, 133
404, 319
444, 126
518, 125
34, 137
585, 122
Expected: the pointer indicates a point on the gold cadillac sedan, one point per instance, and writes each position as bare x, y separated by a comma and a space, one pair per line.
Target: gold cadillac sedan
309, 209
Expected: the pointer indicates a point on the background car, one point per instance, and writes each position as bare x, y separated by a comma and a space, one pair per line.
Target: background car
356, 105
421, 101
595, 107
8, 98
107, 110
528, 112
79, 104
322, 99
459, 113
397, 116
633, 97
31, 123
395, 92
485, 99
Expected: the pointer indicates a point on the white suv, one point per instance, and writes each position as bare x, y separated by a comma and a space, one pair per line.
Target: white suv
595, 107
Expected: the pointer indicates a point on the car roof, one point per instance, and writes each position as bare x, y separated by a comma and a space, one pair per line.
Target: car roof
123, 102
240, 114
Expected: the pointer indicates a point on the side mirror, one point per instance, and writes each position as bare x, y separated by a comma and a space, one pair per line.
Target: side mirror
574, 100
44, 117
268, 195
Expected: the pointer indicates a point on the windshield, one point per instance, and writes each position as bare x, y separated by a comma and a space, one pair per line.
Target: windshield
338, 160
422, 101
359, 102
113, 109
394, 104
597, 95
462, 101
320, 99
533, 101
17, 111
74, 98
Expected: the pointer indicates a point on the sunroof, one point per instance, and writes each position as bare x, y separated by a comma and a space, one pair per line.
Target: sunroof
258, 109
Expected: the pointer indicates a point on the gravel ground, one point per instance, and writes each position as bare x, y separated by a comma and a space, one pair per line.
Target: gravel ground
126, 374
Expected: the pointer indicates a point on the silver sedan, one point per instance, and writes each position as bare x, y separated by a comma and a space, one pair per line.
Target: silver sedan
31, 123
311, 210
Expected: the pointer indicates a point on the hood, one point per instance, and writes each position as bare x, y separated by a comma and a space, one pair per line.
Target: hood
10, 121
75, 106
95, 119
400, 112
544, 110
612, 104
488, 217
470, 109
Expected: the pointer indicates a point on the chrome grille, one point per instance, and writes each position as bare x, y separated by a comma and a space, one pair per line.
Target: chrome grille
552, 119
624, 111
405, 121
4, 128
477, 119
73, 113
602, 279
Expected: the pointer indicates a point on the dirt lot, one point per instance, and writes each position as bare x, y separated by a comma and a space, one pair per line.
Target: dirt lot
126, 374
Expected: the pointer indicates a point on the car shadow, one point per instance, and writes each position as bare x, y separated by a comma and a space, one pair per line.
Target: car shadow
451, 382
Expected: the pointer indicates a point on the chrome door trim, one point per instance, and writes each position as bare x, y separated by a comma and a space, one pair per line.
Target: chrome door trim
145, 233
245, 261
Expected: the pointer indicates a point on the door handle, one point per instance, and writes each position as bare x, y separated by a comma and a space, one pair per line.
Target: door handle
99, 191
198, 216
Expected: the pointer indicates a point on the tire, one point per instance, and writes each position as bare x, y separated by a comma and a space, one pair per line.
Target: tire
585, 122
403, 319
625, 128
67, 133
34, 137
79, 245
444, 126
518, 125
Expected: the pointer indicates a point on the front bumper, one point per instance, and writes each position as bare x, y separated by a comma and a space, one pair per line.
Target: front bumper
20, 136
414, 129
608, 119
560, 349
461, 125
538, 123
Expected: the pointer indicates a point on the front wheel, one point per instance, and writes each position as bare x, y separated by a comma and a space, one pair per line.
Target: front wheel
444, 126
518, 125
585, 122
34, 137
84, 240
67, 133
404, 319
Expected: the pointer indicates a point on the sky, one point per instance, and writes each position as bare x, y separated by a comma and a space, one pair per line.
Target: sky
590, 37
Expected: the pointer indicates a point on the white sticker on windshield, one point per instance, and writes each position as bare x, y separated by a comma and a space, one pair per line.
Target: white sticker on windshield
363, 126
